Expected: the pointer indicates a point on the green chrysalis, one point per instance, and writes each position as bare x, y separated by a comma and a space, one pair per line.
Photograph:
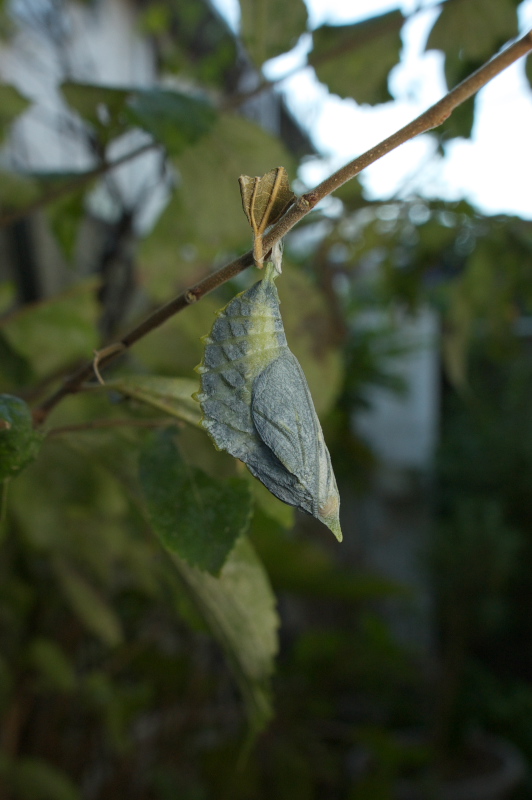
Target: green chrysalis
257, 406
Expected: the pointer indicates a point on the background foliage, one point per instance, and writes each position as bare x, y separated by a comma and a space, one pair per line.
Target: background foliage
134, 555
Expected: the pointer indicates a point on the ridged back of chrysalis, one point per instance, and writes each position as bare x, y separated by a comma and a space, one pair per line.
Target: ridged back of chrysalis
257, 406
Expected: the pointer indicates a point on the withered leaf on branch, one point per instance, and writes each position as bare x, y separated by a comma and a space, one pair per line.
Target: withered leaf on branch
264, 201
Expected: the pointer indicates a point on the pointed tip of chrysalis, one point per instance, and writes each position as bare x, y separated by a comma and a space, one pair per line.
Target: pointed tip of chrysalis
329, 515
336, 529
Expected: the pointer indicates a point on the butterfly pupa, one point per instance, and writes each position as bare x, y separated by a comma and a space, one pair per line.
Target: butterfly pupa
257, 405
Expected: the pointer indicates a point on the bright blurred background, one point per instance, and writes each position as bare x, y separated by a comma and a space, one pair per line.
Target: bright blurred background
169, 629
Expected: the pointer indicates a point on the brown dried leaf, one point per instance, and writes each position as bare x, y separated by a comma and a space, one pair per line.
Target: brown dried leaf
264, 201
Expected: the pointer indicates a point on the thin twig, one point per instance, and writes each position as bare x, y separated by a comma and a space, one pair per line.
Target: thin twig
430, 119
73, 185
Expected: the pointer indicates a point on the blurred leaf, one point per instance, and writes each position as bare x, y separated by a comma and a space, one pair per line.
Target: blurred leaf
300, 566
19, 441
97, 615
271, 27
274, 508
204, 50
16, 190
196, 516
469, 34
12, 103
456, 337
355, 60
239, 608
311, 335
32, 778
14, 368
173, 118
207, 209
171, 395
472, 31
102, 107
65, 216
176, 347
55, 331
528, 69
52, 664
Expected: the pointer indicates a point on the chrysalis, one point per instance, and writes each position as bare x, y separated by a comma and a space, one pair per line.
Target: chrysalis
257, 406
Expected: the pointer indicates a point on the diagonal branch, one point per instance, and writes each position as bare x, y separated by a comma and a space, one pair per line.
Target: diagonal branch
431, 118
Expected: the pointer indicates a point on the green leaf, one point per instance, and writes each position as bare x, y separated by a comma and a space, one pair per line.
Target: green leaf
204, 52
16, 190
355, 60
32, 778
97, 615
472, 31
14, 368
52, 664
171, 395
195, 516
19, 442
65, 216
102, 107
239, 608
457, 337
207, 209
173, 118
12, 103
310, 329
55, 331
271, 27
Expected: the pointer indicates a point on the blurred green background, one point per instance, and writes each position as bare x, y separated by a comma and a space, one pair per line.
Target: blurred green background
168, 628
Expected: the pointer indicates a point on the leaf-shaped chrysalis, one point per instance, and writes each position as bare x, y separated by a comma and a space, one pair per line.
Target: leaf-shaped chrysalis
257, 405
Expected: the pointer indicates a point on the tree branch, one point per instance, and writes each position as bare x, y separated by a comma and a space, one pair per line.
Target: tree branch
430, 119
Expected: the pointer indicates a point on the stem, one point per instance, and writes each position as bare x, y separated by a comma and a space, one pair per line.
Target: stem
73, 185
429, 119
112, 423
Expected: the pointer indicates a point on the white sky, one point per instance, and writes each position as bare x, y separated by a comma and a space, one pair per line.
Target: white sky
493, 170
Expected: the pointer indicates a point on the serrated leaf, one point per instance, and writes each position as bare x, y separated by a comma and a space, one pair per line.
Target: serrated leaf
19, 441
195, 516
171, 395
56, 331
88, 604
12, 104
239, 608
271, 27
355, 60
102, 107
175, 119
